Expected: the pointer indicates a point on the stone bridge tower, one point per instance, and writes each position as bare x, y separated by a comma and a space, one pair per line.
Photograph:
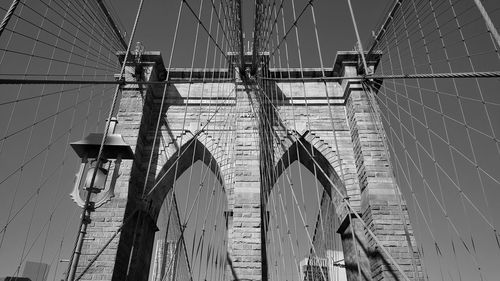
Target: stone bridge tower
335, 130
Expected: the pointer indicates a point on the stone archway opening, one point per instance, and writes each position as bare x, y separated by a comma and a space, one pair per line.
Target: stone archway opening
302, 217
191, 236
341, 227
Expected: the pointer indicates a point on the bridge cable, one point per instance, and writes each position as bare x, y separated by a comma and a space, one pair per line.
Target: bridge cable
46, 160
18, 183
347, 204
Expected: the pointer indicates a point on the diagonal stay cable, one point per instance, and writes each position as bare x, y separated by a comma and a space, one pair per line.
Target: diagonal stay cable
96, 12
461, 153
111, 64
8, 15
106, 245
110, 115
426, 184
204, 27
217, 14
274, 23
440, 92
54, 141
429, 154
87, 16
439, 166
42, 120
48, 20
44, 95
187, 145
295, 22
292, 192
190, 142
349, 206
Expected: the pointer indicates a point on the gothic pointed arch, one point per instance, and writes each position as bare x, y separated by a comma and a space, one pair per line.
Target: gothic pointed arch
195, 147
310, 154
172, 160
319, 158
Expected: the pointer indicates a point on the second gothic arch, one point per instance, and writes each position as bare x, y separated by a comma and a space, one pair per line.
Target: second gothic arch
310, 155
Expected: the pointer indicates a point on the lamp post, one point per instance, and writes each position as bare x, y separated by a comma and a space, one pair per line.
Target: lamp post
95, 182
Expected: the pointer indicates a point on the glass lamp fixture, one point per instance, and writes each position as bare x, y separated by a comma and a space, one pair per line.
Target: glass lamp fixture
100, 178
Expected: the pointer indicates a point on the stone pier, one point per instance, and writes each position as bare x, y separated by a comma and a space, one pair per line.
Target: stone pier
314, 122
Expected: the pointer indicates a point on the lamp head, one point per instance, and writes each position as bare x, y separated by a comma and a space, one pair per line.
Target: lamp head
100, 178
114, 147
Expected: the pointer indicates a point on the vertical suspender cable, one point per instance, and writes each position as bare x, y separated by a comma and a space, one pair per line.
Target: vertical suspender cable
240, 26
360, 45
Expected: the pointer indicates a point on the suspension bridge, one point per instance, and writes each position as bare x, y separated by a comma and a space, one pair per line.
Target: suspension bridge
250, 140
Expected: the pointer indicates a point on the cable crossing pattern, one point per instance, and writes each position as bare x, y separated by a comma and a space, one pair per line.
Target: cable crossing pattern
250, 140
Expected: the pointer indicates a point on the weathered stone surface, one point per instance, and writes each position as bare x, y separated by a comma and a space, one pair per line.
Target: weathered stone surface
248, 142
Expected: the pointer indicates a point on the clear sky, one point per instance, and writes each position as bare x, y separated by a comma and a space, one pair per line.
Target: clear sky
46, 224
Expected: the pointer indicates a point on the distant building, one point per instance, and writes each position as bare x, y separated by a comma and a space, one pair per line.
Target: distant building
36, 271
163, 262
314, 269
33, 271
158, 265
336, 268
330, 268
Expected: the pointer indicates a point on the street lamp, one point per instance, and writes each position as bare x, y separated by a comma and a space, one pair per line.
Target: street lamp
95, 181
99, 181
